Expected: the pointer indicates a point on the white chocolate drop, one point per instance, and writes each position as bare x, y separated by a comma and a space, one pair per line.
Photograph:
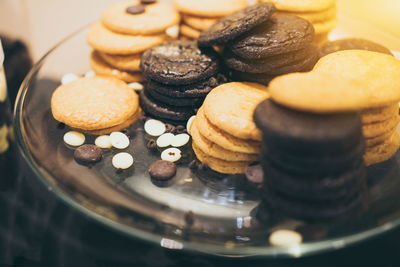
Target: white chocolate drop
74, 138
136, 86
189, 123
119, 140
165, 140
154, 127
173, 31
69, 77
3, 85
171, 154
89, 74
122, 161
103, 141
180, 140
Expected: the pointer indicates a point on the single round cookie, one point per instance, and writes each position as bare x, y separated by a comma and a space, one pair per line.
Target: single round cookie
281, 34
313, 16
123, 62
94, 103
217, 151
163, 111
371, 130
374, 141
199, 89
162, 170
102, 68
189, 32
224, 139
307, 133
173, 101
302, 5
377, 114
230, 27
325, 26
179, 62
106, 41
234, 114
382, 152
352, 43
199, 23
209, 8
155, 20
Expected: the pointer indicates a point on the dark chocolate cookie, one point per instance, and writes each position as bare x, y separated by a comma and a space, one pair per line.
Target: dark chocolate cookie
352, 43
174, 101
293, 61
281, 34
179, 62
199, 89
88, 154
162, 170
303, 134
236, 24
163, 111
238, 76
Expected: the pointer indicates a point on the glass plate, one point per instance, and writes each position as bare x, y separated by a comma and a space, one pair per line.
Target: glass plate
222, 221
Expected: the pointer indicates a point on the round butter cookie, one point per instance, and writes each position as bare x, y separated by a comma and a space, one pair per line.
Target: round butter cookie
94, 103
383, 151
209, 8
352, 43
380, 138
123, 62
189, 32
302, 5
313, 17
371, 130
199, 23
155, 20
377, 114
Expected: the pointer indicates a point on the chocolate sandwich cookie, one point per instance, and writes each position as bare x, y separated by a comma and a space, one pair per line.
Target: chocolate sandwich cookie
261, 78
199, 89
163, 111
280, 34
352, 43
305, 134
281, 63
173, 101
179, 63
236, 24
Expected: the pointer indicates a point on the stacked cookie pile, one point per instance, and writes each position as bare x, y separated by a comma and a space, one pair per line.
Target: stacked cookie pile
260, 46
224, 135
313, 163
179, 75
321, 13
199, 15
125, 31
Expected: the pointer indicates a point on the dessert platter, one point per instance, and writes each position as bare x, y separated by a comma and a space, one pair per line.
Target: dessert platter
243, 131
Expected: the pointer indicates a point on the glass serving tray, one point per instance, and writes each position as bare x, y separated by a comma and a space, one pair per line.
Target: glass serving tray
201, 211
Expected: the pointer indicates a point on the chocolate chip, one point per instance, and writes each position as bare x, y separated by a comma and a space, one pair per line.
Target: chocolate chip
135, 10
189, 218
151, 144
148, 2
169, 128
88, 154
255, 174
162, 170
180, 129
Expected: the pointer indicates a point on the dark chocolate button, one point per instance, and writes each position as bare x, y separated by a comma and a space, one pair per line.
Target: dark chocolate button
87, 154
135, 10
148, 2
151, 144
169, 128
162, 170
255, 174
180, 129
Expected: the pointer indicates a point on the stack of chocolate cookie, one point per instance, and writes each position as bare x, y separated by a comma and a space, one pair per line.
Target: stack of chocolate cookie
260, 46
313, 163
321, 13
199, 15
179, 76
125, 31
224, 135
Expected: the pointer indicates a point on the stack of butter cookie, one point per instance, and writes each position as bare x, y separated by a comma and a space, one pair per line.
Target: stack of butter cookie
179, 76
224, 135
313, 163
125, 31
199, 15
321, 13
260, 46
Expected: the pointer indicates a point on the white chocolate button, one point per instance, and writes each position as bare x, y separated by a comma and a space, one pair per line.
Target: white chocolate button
74, 138
69, 77
136, 86
189, 123
171, 154
89, 74
285, 238
173, 31
103, 141
165, 140
180, 140
122, 161
3, 85
119, 140
154, 127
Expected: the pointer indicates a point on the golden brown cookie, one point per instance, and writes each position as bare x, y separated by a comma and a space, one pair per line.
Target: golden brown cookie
102, 68
155, 20
375, 129
189, 32
217, 151
377, 114
313, 17
106, 41
199, 23
321, 39
219, 165
230, 106
379, 139
382, 152
209, 8
325, 26
224, 139
123, 62
94, 103
302, 5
